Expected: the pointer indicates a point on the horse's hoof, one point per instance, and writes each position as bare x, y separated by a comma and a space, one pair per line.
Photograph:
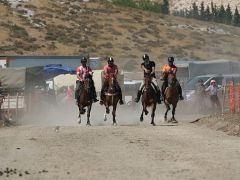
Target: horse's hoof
88, 124
174, 121
153, 124
114, 124
165, 119
141, 119
79, 122
105, 119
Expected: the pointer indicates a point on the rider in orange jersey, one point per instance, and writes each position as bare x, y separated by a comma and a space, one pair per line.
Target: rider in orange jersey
170, 68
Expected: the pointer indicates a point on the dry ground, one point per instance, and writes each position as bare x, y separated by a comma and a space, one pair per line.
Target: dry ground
186, 151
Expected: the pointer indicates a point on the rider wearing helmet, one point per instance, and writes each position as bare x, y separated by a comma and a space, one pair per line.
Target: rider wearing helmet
84, 71
148, 68
170, 68
110, 69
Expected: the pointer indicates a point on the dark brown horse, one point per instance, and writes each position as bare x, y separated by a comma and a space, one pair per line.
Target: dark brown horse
171, 97
111, 98
85, 100
149, 98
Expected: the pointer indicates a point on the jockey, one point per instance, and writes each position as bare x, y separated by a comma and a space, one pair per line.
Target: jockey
84, 71
110, 69
148, 68
170, 68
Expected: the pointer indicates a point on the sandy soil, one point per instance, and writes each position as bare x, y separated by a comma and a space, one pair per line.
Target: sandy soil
139, 151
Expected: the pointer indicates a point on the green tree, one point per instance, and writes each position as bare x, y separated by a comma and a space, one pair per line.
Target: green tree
165, 7
236, 18
202, 11
214, 12
195, 12
221, 14
208, 13
229, 16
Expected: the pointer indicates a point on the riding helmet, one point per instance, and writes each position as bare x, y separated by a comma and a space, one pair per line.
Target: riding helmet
110, 60
84, 59
145, 57
170, 59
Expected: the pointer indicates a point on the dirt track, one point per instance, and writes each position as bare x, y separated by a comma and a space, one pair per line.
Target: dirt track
186, 151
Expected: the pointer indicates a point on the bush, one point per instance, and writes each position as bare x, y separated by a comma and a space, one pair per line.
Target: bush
18, 32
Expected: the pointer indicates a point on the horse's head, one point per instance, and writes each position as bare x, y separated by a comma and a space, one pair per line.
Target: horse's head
88, 83
171, 80
112, 81
147, 81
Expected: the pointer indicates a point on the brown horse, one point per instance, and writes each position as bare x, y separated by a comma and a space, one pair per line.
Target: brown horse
111, 98
85, 100
149, 98
171, 97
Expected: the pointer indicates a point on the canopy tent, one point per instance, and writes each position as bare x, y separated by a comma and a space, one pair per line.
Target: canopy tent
22, 77
53, 70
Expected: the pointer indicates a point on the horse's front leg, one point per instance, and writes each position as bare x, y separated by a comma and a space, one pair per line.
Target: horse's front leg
88, 114
141, 118
153, 114
114, 114
168, 108
79, 116
173, 115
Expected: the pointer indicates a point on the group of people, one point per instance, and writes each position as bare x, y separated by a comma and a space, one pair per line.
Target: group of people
111, 69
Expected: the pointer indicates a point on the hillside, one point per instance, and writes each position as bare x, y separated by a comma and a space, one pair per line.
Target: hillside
100, 28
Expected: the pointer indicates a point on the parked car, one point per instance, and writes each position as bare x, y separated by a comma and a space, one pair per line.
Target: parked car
221, 80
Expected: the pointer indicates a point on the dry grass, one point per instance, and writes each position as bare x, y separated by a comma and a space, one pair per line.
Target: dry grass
103, 29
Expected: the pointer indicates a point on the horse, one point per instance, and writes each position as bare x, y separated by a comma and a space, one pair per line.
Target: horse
171, 97
111, 98
85, 99
149, 98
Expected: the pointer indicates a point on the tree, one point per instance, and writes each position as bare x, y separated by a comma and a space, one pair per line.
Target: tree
195, 12
165, 7
202, 11
214, 12
229, 16
208, 13
221, 14
236, 18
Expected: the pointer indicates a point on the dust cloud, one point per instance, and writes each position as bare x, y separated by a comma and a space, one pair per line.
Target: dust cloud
66, 114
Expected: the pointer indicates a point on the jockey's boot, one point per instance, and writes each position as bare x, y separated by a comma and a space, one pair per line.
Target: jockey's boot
95, 96
159, 97
121, 102
101, 96
138, 96
180, 92
120, 98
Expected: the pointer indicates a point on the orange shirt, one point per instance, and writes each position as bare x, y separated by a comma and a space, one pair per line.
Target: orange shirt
169, 69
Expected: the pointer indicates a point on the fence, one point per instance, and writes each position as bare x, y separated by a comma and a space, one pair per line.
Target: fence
231, 98
12, 106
